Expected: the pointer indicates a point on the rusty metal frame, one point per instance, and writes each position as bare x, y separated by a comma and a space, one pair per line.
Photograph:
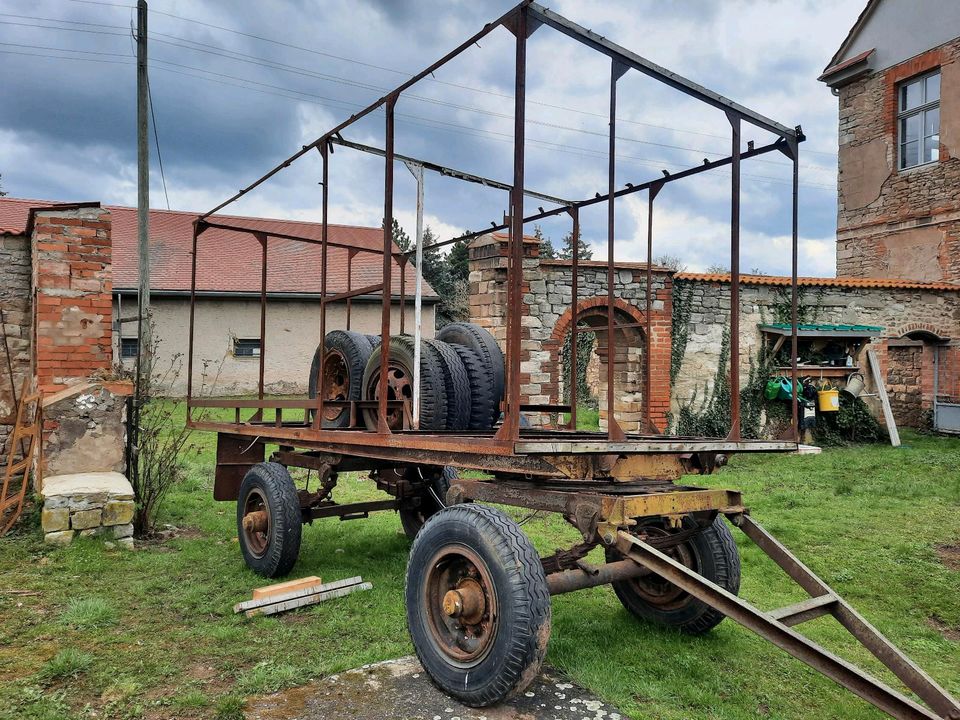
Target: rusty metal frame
522, 21
776, 625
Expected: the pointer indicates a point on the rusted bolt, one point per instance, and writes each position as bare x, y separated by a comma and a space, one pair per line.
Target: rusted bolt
453, 603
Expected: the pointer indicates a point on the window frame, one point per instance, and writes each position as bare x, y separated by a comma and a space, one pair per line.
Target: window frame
254, 351
127, 341
920, 111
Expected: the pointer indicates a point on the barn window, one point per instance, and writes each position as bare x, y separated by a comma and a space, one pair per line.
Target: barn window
246, 347
918, 106
129, 347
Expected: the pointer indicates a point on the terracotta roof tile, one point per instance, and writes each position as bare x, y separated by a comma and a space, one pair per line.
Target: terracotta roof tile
229, 260
890, 283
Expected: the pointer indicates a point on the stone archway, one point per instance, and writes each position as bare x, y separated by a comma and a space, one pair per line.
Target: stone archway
628, 360
910, 368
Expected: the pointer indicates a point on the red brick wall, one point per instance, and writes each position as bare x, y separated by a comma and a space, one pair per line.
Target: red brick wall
898, 223
73, 287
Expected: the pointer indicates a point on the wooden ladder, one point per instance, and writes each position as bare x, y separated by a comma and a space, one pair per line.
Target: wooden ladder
25, 444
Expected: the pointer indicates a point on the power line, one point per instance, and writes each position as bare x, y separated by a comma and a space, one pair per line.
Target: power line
303, 96
408, 74
156, 138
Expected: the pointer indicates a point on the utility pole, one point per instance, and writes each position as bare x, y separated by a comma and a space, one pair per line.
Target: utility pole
144, 332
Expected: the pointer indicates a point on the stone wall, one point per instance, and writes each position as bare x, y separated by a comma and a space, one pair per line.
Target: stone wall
902, 309
547, 320
73, 287
890, 223
15, 326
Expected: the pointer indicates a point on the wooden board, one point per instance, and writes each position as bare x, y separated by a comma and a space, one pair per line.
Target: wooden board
295, 594
285, 587
884, 400
313, 599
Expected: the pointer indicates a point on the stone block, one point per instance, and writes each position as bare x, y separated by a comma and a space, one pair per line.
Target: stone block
63, 537
127, 543
85, 519
122, 531
55, 519
91, 532
118, 512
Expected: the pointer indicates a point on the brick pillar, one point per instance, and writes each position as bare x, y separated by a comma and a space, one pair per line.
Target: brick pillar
73, 287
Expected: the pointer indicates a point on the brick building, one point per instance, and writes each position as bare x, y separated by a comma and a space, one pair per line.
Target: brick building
898, 82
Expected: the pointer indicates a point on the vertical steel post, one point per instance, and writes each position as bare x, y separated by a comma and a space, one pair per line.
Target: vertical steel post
263, 316
734, 277
574, 323
613, 429
193, 306
402, 262
324, 228
387, 291
511, 421
648, 344
350, 254
417, 171
795, 420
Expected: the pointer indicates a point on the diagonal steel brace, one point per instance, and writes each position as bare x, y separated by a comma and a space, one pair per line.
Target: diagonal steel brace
780, 634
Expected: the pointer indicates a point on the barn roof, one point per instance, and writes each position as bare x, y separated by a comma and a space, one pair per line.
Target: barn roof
228, 261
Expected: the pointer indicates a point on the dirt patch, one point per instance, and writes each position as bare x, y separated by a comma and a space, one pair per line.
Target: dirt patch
950, 556
948, 631
158, 538
400, 688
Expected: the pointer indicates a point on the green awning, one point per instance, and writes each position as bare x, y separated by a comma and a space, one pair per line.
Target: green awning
824, 330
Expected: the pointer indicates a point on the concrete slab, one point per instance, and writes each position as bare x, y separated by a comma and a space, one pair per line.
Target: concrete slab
89, 483
399, 689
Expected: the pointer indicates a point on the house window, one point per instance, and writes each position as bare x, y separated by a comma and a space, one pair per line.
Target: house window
246, 347
918, 119
129, 347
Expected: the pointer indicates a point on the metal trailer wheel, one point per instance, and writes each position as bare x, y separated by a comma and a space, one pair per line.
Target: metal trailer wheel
269, 521
711, 552
345, 358
478, 606
433, 394
437, 482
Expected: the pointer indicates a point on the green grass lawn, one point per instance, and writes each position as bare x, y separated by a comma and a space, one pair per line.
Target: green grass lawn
90, 632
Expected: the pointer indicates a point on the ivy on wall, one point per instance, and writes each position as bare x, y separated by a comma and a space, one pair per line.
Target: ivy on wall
680, 326
585, 344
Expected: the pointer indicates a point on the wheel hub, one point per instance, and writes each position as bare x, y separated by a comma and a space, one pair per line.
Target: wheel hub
460, 602
466, 602
256, 523
399, 387
336, 383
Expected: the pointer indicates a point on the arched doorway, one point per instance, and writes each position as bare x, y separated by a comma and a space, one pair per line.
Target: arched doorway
628, 359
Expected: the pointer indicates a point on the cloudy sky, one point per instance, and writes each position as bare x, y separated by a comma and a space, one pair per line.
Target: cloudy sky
238, 86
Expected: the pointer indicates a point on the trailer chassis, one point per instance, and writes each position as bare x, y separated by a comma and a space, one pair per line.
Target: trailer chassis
620, 491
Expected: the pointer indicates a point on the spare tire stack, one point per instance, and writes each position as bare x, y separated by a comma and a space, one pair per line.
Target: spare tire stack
462, 377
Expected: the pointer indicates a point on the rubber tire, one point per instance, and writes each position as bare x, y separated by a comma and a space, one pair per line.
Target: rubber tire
433, 394
485, 345
717, 560
355, 348
515, 658
374, 340
413, 519
457, 385
481, 388
280, 494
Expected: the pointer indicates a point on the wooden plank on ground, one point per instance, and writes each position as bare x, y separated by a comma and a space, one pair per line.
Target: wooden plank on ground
285, 587
884, 400
296, 594
319, 597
